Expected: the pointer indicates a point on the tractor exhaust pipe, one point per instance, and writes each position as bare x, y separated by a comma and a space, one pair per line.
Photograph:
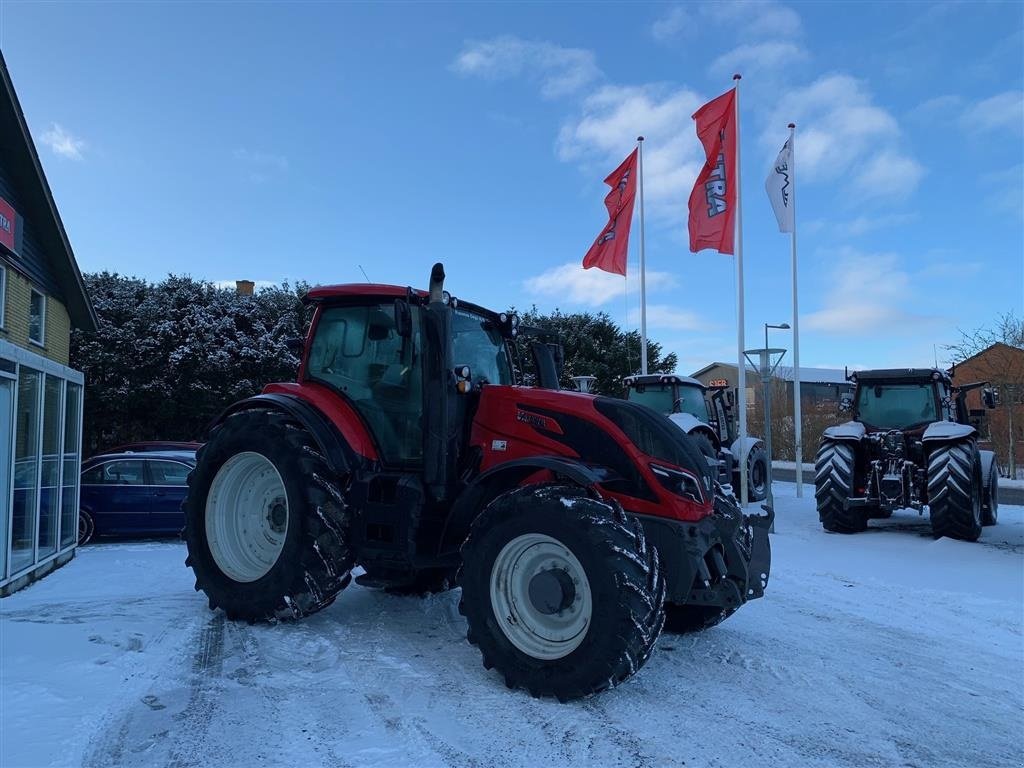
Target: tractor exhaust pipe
437, 283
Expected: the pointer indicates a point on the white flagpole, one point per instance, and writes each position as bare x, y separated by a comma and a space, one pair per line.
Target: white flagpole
797, 423
741, 375
643, 265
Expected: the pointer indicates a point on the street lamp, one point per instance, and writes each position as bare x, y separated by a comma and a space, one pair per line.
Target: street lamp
767, 369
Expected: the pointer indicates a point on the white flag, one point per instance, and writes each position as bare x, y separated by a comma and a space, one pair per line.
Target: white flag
779, 186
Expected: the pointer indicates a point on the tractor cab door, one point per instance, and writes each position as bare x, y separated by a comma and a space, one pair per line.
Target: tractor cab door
358, 351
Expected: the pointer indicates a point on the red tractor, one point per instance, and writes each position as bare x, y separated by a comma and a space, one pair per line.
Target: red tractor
574, 524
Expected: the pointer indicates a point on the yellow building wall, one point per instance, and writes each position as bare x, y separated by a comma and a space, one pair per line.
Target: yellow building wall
57, 339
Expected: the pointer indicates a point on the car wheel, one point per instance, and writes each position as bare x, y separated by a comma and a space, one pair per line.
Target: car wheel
86, 527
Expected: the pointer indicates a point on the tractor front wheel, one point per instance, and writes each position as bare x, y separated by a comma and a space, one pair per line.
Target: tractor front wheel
561, 591
955, 490
990, 504
833, 485
265, 523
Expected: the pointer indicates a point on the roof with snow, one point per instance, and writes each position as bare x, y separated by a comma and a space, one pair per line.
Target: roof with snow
811, 375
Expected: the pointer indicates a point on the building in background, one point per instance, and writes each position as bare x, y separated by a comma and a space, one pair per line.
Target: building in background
822, 387
1002, 365
42, 297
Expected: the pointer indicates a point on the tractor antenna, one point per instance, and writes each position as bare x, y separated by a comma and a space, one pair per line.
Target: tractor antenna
364, 272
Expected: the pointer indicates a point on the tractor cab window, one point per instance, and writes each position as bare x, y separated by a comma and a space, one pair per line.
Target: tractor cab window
656, 396
896, 406
359, 352
479, 345
690, 399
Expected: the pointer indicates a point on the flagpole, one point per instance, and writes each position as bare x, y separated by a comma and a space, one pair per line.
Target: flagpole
741, 368
797, 421
643, 265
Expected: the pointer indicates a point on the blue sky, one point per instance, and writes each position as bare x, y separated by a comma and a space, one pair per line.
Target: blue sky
302, 141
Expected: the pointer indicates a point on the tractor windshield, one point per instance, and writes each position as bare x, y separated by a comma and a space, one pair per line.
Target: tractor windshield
896, 406
656, 396
691, 400
478, 344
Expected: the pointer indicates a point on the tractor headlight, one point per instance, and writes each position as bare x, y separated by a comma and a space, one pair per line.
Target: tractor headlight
677, 482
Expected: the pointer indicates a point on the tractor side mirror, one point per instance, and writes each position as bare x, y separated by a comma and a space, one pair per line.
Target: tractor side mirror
403, 318
990, 398
846, 403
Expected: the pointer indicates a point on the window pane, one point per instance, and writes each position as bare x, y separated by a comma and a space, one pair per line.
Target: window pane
169, 473
6, 432
72, 445
26, 470
49, 492
481, 347
358, 352
35, 317
123, 473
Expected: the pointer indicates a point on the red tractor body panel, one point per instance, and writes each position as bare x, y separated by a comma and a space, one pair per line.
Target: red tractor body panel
523, 422
335, 408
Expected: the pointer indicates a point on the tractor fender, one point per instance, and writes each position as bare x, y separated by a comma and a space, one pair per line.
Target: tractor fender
741, 447
850, 430
947, 431
690, 424
339, 454
988, 464
496, 480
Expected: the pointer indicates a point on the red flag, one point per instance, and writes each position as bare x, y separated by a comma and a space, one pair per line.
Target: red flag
609, 250
713, 199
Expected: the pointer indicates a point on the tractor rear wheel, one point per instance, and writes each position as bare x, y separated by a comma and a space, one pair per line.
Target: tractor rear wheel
833, 485
990, 504
955, 490
265, 524
757, 474
561, 592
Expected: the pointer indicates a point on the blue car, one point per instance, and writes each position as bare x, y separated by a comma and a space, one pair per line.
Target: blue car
133, 493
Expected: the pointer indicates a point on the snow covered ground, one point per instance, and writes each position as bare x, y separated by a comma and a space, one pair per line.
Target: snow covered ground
881, 649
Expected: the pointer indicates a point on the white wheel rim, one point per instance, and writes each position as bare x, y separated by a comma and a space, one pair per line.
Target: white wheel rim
247, 516
537, 632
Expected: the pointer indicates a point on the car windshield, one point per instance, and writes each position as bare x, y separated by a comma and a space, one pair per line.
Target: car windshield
478, 344
896, 406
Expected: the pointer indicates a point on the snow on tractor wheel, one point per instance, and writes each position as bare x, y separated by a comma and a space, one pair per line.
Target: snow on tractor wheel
561, 591
265, 526
833, 485
955, 490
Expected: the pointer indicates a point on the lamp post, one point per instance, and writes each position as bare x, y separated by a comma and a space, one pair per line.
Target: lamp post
766, 368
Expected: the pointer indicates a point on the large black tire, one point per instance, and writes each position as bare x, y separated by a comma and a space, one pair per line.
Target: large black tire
833, 485
627, 591
757, 475
683, 619
86, 527
315, 561
955, 490
990, 504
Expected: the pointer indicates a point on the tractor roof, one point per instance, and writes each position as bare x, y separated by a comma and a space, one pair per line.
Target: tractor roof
901, 375
663, 378
380, 291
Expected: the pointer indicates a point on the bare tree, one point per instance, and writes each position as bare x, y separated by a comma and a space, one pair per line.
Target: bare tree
996, 353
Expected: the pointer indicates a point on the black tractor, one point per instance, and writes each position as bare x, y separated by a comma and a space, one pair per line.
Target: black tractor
909, 444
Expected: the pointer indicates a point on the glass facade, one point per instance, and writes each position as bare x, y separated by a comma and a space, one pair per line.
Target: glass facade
40, 460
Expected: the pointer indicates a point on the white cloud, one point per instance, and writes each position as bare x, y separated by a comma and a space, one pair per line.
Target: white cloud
669, 317
842, 133
63, 143
591, 287
861, 225
753, 58
560, 70
611, 119
999, 112
869, 294
1005, 190
746, 18
675, 21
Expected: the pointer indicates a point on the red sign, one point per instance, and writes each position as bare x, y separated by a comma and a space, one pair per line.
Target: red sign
716, 383
8, 219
